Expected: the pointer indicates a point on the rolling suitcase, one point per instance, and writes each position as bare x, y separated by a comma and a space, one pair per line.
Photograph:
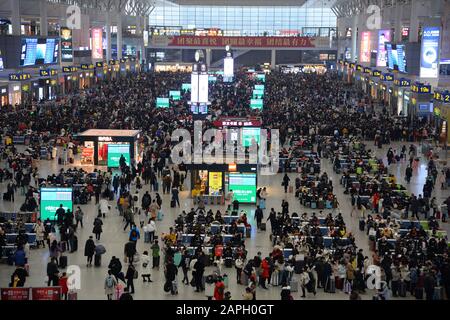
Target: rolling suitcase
362, 225
244, 279
294, 285
172, 203
418, 293
63, 262
248, 232
228, 262
263, 226
402, 289
74, 244
147, 237
339, 283
72, 295
438, 293
97, 260
291, 189
331, 285
174, 287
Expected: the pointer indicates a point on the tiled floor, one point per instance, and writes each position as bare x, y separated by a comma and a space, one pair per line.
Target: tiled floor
114, 238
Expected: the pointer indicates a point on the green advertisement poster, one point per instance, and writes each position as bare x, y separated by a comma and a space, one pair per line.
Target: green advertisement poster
162, 102
186, 87
52, 198
259, 87
243, 186
175, 95
256, 103
248, 134
261, 76
114, 153
258, 94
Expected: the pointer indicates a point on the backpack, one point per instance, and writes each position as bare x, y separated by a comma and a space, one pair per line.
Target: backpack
133, 234
109, 282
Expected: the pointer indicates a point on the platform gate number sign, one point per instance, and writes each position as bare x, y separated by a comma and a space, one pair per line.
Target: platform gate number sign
73, 14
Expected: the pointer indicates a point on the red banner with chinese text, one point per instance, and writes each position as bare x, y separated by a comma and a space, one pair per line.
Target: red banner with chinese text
258, 42
15, 294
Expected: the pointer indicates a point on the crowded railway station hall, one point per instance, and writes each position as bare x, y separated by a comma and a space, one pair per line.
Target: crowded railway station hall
224, 150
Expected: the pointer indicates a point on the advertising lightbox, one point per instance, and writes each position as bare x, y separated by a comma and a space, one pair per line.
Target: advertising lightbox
186, 87
203, 88
52, 198
384, 36
365, 47
429, 59
115, 151
175, 95
194, 87
258, 94
250, 135
66, 45
256, 103
243, 186
97, 43
162, 102
215, 182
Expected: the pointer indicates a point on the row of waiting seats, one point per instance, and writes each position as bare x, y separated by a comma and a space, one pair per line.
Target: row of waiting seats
327, 243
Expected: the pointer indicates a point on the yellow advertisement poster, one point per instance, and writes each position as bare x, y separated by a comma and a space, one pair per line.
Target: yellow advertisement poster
215, 181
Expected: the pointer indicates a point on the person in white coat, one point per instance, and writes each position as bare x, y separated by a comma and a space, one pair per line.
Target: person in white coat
39, 229
151, 229
145, 267
104, 207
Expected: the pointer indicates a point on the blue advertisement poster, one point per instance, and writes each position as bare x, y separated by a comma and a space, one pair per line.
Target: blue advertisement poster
429, 60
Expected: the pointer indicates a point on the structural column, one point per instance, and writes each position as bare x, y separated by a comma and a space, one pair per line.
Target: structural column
414, 22
15, 17
108, 36
208, 58
43, 17
119, 35
398, 23
355, 38
273, 59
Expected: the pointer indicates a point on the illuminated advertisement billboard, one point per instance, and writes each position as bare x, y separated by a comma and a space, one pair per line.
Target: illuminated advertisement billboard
97, 43
202, 88
66, 45
384, 36
194, 87
365, 47
429, 58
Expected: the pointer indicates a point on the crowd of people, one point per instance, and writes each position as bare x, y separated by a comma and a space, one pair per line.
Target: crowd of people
319, 108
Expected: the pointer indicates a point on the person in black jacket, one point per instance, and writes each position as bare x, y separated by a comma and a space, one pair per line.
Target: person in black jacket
130, 277
199, 269
52, 273
258, 216
285, 183
130, 251
89, 251
184, 265
21, 275
116, 268
171, 273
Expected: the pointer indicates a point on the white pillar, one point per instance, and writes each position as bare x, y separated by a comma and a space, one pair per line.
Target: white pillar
414, 22
273, 59
355, 38
398, 23
108, 36
15, 17
119, 35
208, 58
43, 17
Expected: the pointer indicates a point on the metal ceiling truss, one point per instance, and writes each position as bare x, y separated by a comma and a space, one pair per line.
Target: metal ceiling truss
351, 8
141, 8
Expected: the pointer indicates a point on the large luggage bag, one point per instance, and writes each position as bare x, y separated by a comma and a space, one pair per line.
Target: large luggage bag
418, 293
438, 293
72, 295
244, 279
294, 285
402, 289
63, 262
339, 283
331, 285
98, 260
263, 226
74, 244
362, 224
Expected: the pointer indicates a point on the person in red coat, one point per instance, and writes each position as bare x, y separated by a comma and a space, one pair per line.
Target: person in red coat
63, 284
219, 289
265, 273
